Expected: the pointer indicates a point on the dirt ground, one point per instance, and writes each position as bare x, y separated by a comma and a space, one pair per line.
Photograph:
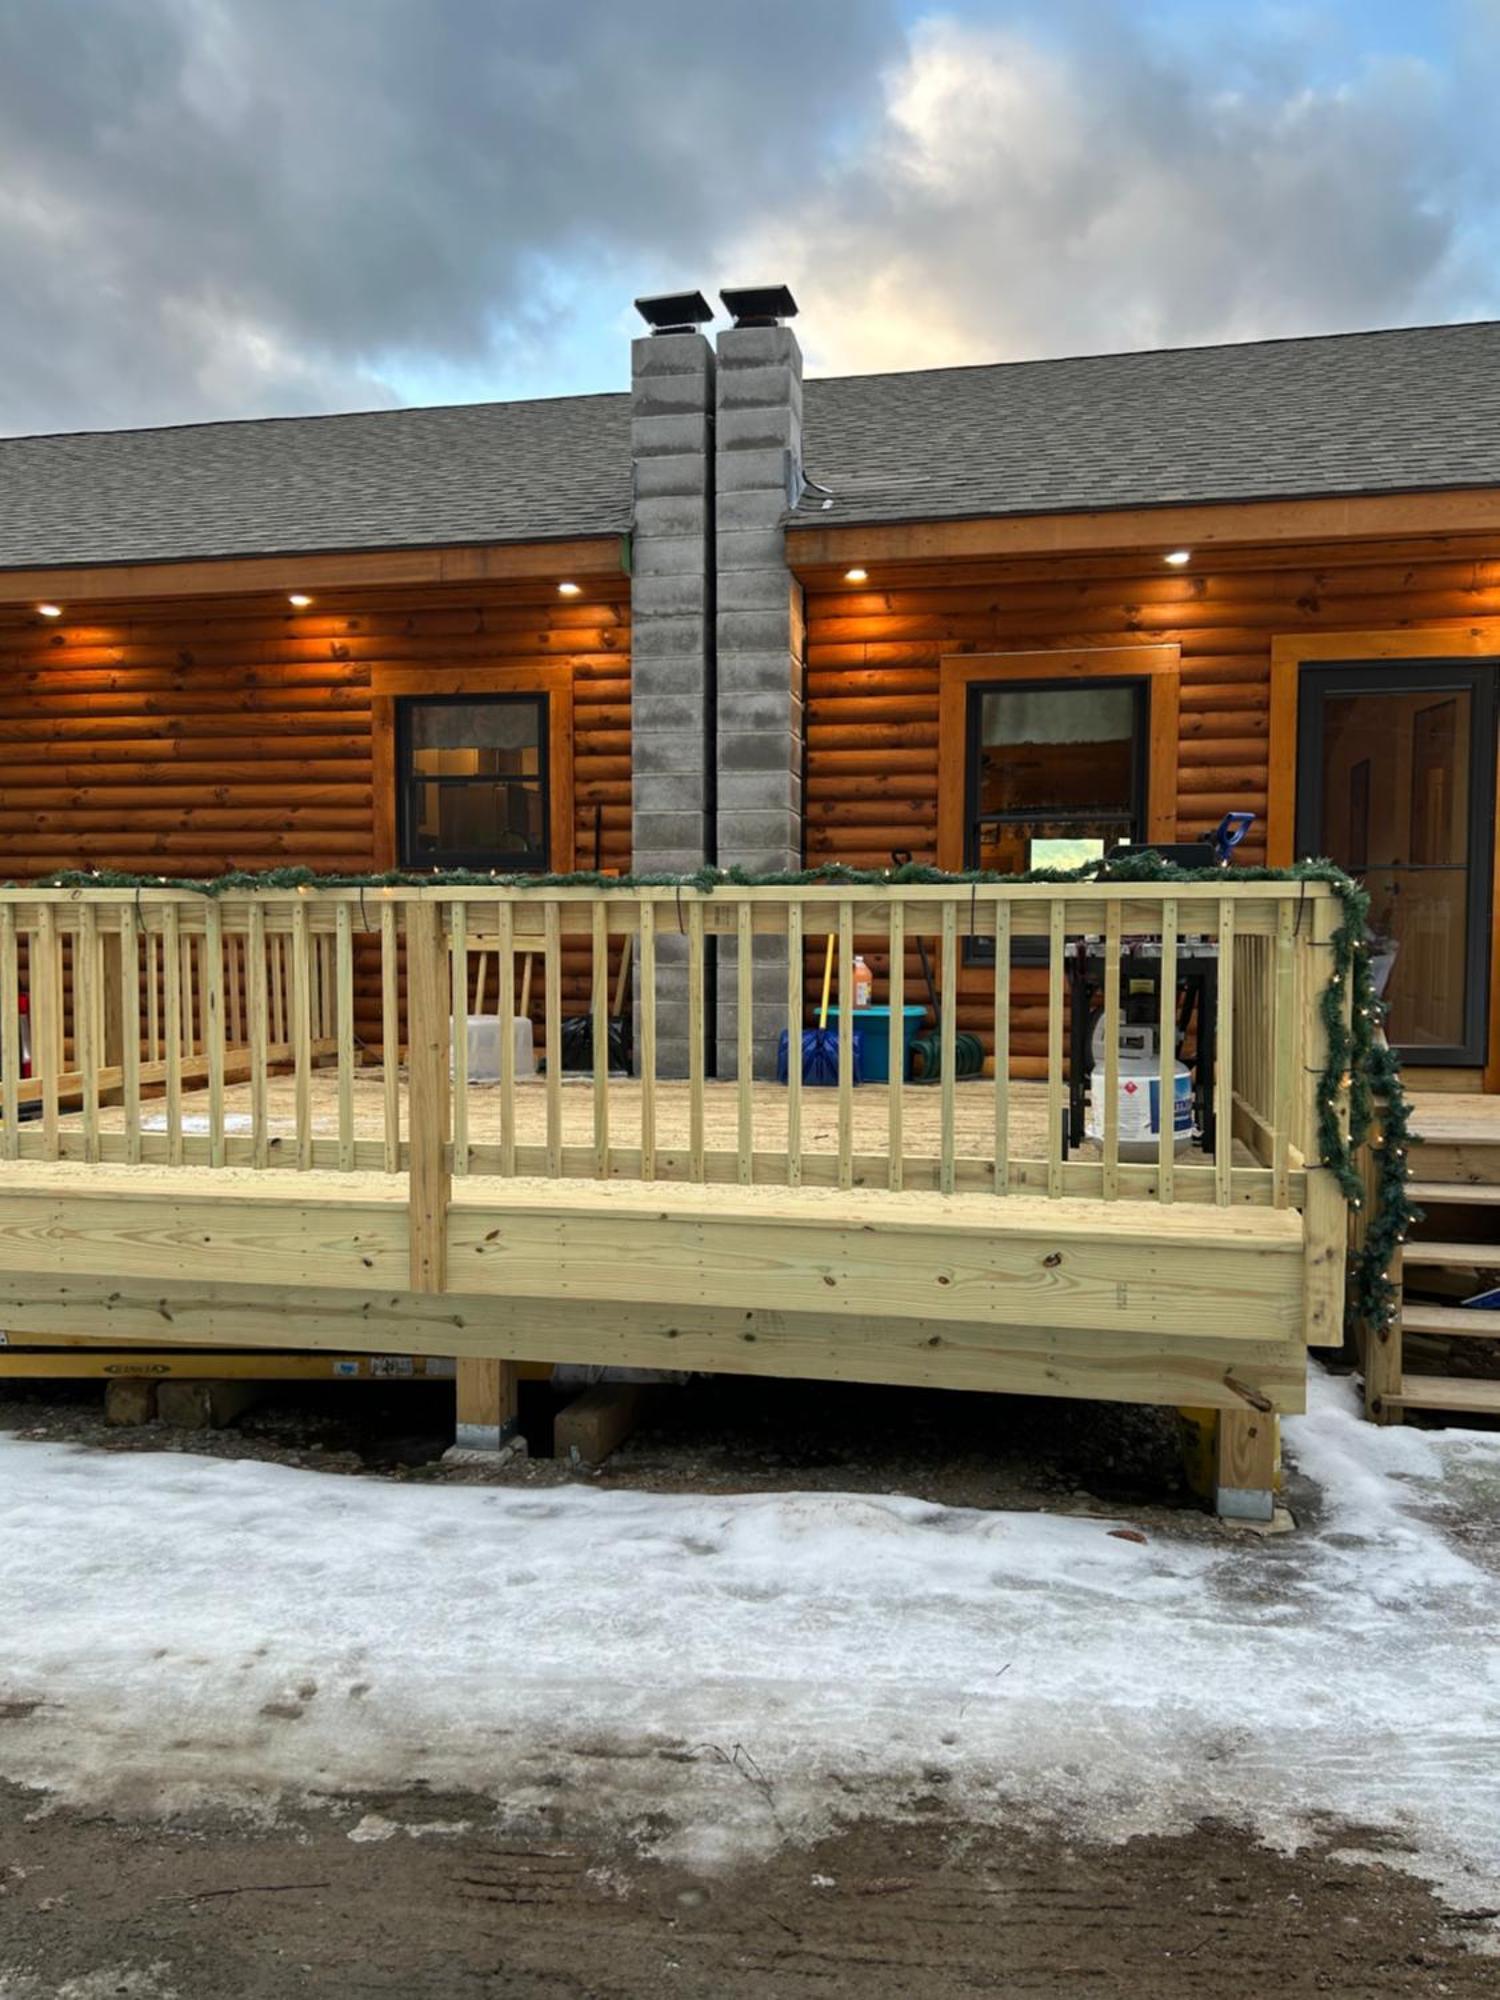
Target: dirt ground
417, 1895
90, 1908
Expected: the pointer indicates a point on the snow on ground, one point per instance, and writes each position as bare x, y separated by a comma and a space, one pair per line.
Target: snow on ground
716, 1674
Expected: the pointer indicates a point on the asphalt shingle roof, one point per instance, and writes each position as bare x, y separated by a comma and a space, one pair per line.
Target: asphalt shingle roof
1350, 413
1281, 419
489, 472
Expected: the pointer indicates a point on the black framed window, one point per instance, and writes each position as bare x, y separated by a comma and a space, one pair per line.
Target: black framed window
1056, 771
472, 773
1056, 774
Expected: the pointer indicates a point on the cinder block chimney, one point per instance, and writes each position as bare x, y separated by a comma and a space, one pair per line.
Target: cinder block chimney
672, 637
757, 476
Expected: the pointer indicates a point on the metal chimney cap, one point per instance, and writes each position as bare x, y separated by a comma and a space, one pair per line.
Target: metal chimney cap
759, 305
675, 312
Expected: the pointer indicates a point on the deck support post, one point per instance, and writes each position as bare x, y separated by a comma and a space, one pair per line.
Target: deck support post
485, 1413
1245, 1489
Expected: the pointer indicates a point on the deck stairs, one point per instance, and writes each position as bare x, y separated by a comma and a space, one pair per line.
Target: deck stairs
1432, 1362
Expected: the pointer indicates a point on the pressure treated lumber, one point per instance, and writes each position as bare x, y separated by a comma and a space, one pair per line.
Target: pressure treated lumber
921, 1353
597, 1422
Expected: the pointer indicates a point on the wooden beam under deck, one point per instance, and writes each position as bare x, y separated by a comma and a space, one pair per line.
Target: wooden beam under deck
1125, 1301
912, 1353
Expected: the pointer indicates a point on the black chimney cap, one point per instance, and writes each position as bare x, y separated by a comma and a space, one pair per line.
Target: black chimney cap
759, 305
675, 312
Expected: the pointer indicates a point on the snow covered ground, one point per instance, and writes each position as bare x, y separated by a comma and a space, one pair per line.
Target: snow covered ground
713, 1675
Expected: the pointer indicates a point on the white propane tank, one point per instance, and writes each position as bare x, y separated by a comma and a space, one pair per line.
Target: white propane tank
1140, 1094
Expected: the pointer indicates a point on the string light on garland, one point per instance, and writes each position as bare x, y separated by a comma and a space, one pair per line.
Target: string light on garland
1359, 1066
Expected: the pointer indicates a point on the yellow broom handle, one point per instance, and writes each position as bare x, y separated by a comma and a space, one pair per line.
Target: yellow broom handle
827, 982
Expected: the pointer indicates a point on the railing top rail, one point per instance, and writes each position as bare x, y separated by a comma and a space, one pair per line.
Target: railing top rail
1293, 889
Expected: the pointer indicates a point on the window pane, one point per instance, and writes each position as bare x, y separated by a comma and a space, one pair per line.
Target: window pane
475, 782
478, 819
1057, 749
1060, 764
475, 739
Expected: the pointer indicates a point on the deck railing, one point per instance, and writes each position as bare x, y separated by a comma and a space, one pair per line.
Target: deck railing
318, 1029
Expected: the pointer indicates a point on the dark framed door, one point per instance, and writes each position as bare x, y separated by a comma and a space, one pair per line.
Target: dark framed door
1396, 783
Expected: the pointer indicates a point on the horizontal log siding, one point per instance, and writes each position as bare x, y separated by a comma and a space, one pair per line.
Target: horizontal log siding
188, 738
874, 657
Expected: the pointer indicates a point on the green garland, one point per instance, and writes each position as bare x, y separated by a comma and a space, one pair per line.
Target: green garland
1359, 1062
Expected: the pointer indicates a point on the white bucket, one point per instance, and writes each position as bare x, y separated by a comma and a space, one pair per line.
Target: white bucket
483, 1038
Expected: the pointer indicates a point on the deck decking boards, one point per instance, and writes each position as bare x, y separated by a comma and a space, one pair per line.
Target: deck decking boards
974, 1115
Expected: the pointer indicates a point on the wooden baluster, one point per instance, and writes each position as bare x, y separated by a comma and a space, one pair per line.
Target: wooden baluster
1166, 1142
1224, 1081
646, 1054
1283, 1106
552, 1005
86, 1022
302, 991
795, 1006
153, 998
189, 1019
234, 1005
1057, 936
10, 1035
344, 1020
172, 960
130, 1035
458, 1030
46, 1020
327, 991
213, 1027
279, 1036
390, 1036
1111, 1121
599, 1018
429, 1001
505, 1008
257, 971
1002, 1044
744, 1025
896, 1080
845, 1043
695, 1038
948, 1046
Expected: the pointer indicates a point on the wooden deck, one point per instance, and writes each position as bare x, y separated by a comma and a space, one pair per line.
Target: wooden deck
974, 1127
935, 1236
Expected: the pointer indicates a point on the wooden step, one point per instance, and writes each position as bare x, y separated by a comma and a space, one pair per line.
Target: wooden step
1442, 1392
1479, 1254
1453, 1322
1428, 1193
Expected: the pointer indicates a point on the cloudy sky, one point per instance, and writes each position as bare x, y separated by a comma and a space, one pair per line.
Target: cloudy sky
233, 207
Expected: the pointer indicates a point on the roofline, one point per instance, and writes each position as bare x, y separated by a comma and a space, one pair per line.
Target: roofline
814, 546
206, 576
1186, 347
308, 417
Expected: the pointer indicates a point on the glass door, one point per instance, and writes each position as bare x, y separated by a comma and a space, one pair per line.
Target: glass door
1396, 783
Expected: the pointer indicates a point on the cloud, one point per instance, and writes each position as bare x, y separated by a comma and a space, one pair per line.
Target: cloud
234, 207
231, 206
1022, 197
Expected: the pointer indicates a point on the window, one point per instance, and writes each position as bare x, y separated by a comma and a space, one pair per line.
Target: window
472, 782
1056, 772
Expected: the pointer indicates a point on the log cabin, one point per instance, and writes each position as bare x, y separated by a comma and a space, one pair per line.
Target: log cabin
986, 619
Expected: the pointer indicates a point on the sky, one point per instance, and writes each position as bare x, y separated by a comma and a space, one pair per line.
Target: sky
238, 208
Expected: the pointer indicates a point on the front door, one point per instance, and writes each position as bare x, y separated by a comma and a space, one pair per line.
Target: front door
1396, 783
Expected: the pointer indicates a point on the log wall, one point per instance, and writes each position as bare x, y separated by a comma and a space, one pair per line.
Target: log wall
188, 738
874, 655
